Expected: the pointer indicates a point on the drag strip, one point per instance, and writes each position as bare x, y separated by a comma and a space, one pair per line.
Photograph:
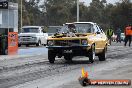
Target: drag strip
12, 76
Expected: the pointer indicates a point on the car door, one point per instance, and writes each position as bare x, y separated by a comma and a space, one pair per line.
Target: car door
97, 37
103, 38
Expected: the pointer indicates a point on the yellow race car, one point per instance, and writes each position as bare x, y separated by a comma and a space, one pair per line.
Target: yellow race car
78, 39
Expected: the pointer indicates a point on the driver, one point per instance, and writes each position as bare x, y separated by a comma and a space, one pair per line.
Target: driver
71, 30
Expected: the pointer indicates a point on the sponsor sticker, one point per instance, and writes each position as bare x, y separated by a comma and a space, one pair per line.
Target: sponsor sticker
85, 81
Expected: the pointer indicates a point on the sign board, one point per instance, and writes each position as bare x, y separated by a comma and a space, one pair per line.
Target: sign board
4, 5
12, 42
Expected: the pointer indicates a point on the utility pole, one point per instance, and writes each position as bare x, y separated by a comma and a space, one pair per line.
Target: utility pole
21, 14
77, 10
45, 13
8, 19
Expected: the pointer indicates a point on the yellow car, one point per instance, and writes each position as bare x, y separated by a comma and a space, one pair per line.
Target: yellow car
78, 39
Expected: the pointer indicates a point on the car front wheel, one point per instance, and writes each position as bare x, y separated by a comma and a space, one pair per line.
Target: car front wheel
19, 45
51, 56
102, 56
92, 54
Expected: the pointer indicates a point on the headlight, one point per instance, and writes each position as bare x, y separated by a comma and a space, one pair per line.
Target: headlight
50, 43
34, 38
84, 42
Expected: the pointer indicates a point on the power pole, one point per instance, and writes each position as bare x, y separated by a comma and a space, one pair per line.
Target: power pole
77, 10
21, 14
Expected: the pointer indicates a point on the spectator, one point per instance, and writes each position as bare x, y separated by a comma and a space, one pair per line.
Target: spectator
118, 33
71, 30
109, 34
128, 35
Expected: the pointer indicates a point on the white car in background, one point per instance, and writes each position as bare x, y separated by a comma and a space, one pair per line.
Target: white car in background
32, 35
122, 37
53, 29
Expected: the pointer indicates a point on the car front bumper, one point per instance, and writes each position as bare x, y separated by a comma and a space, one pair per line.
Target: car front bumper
27, 42
74, 50
70, 47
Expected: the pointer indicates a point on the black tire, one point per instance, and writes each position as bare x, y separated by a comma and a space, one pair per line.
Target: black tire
39, 43
92, 54
27, 45
51, 56
19, 45
6, 52
102, 56
44, 44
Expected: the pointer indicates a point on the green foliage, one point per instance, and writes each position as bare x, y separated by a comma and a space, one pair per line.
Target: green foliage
121, 14
58, 12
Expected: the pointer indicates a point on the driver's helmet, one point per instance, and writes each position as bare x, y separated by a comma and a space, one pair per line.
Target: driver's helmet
71, 28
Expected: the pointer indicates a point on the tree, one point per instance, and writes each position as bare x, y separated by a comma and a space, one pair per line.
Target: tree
58, 12
121, 14
30, 12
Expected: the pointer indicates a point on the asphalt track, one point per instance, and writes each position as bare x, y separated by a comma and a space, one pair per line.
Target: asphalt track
64, 75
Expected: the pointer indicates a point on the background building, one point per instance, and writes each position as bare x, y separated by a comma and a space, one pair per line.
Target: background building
8, 17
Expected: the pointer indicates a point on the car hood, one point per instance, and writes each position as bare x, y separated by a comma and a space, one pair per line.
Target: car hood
64, 37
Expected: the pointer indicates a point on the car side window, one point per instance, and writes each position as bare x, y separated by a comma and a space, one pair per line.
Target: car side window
98, 28
101, 29
95, 29
92, 29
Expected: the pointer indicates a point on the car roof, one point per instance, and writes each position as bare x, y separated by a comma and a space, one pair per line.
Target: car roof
80, 23
32, 26
54, 26
68, 23
85, 23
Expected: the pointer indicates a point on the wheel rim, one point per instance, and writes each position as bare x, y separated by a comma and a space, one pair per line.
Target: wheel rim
93, 51
105, 52
6, 52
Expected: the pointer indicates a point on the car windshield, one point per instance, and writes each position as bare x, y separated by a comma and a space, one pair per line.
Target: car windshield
80, 28
30, 30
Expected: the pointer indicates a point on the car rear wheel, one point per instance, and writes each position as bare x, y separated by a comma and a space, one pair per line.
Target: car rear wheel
92, 54
102, 56
44, 44
51, 56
